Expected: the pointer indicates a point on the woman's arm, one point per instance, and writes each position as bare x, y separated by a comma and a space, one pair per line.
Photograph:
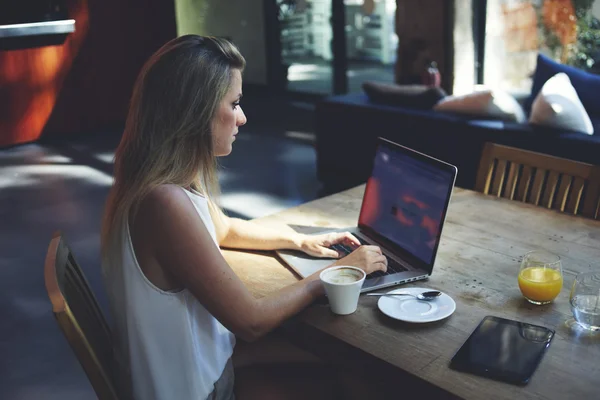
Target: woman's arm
184, 249
239, 234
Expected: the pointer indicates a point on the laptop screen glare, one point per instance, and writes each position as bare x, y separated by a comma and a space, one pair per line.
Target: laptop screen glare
405, 200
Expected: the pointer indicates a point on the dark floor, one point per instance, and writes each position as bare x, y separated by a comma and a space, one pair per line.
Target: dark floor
63, 184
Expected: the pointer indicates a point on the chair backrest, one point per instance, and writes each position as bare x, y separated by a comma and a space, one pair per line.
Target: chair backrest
540, 179
79, 317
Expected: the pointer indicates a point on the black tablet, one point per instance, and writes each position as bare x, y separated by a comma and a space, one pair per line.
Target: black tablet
503, 349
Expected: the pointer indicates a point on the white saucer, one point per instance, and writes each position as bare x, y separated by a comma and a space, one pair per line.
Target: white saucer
409, 309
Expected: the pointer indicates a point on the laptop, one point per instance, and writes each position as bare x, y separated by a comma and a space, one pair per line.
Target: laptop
403, 212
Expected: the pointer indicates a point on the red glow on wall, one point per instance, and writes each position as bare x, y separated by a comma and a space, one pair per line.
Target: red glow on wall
31, 79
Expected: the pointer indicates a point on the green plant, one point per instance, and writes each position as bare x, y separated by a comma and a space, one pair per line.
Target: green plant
585, 52
582, 7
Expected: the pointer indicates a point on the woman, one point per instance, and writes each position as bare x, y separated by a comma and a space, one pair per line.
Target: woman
177, 305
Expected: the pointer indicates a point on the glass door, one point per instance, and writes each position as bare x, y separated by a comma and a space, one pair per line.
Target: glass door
331, 46
371, 41
306, 45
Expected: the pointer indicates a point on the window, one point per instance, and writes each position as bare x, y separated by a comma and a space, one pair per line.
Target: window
517, 30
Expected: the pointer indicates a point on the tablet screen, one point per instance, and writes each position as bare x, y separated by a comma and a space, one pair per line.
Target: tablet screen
503, 349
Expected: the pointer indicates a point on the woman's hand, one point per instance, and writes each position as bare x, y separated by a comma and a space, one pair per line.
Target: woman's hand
318, 245
367, 258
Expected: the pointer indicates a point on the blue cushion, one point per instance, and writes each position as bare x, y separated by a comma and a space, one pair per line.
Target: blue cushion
586, 85
596, 124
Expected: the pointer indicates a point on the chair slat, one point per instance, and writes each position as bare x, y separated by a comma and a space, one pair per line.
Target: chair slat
541, 179
592, 201
485, 169
575, 195
499, 173
88, 295
511, 181
562, 193
80, 317
550, 189
524, 183
84, 306
536, 188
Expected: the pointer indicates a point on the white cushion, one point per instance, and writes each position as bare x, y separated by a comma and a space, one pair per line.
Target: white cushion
486, 103
558, 106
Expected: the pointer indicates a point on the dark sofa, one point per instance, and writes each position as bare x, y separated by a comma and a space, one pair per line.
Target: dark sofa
347, 127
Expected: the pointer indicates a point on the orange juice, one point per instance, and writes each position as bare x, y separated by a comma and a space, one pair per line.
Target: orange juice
540, 284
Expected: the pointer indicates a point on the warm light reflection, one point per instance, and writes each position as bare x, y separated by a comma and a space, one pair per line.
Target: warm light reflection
323, 217
36, 114
47, 62
31, 80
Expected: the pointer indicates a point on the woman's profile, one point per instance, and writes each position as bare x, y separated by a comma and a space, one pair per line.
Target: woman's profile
178, 307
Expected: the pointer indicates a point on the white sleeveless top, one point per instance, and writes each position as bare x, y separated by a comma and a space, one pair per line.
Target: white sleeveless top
168, 345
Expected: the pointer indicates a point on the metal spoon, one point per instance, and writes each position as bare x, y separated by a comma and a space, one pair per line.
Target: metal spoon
426, 296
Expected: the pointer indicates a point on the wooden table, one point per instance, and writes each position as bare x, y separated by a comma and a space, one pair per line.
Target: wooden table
477, 265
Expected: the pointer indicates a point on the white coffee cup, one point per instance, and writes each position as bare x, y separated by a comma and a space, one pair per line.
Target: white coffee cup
342, 286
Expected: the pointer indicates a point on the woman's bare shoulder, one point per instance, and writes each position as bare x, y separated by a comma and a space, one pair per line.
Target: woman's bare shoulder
166, 216
164, 196
165, 220
164, 205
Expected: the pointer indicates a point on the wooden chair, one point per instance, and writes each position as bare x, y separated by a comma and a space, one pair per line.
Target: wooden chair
79, 316
547, 181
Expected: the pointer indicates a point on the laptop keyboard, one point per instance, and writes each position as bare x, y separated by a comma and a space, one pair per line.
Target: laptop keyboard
392, 268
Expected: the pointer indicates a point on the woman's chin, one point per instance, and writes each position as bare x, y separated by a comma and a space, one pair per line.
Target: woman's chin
224, 152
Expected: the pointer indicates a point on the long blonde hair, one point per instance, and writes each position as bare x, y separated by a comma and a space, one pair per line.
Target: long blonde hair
167, 137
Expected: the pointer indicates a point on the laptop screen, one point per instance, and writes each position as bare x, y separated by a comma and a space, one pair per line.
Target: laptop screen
406, 199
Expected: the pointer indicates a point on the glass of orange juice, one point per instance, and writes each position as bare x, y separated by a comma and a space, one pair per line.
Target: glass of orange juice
540, 276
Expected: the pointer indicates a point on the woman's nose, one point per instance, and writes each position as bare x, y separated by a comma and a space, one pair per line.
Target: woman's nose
241, 120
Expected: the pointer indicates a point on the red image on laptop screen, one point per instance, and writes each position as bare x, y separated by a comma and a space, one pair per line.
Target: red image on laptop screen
405, 200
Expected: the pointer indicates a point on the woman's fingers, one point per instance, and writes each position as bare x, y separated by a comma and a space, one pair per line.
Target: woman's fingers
375, 249
381, 262
347, 236
326, 252
343, 237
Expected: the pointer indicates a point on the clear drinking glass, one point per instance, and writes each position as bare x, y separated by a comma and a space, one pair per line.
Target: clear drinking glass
540, 276
585, 300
